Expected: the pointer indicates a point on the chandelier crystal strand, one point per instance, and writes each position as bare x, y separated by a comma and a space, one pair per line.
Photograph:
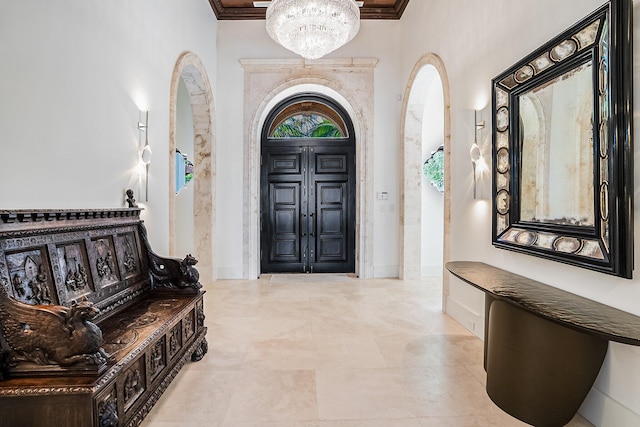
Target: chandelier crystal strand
313, 28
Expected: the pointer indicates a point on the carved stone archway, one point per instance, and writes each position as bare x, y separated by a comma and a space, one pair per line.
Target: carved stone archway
190, 69
411, 171
350, 83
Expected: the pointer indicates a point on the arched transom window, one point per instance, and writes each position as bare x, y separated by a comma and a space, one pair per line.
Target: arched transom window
308, 119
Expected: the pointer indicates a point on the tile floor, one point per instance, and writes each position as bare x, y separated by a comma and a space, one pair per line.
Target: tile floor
331, 351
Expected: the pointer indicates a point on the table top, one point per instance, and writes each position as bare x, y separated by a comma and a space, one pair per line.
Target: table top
551, 303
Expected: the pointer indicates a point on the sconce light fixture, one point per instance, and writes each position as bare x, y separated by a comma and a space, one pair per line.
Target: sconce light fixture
475, 153
145, 154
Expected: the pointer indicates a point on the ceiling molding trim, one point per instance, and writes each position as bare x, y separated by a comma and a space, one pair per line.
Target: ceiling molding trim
268, 65
247, 13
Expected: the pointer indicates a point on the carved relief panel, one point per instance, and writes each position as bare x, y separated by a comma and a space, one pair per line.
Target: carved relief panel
27, 276
175, 340
74, 271
189, 325
133, 383
128, 251
103, 261
107, 409
200, 313
157, 358
66, 266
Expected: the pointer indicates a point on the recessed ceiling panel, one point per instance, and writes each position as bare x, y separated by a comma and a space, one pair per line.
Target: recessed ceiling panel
243, 9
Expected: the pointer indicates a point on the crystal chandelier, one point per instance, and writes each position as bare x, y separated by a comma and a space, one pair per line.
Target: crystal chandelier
313, 28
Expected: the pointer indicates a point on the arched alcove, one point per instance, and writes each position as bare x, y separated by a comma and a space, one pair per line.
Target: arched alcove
429, 70
190, 70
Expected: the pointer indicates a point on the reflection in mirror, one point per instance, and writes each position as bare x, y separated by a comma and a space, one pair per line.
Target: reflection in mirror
556, 133
562, 146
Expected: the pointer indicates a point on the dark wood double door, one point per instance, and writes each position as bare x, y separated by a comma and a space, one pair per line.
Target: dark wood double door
308, 206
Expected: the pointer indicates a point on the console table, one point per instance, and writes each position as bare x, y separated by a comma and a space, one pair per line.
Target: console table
543, 346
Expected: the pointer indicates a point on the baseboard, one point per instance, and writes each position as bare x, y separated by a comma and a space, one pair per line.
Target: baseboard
603, 411
386, 271
468, 318
230, 273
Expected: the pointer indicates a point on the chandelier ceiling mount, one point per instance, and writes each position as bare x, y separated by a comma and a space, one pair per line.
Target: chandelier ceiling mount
312, 28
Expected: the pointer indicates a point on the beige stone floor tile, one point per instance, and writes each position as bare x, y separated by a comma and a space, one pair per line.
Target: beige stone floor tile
447, 390
355, 352
319, 353
281, 354
256, 328
287, 292
431, 350
409, 422
498, 420
341, 423
341, 325
289, 424
361, 394
195, 398
483, 421
478, 372
325, 351
273, 396
225, 354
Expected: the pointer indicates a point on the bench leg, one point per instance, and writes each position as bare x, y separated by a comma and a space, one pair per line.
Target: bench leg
200, 351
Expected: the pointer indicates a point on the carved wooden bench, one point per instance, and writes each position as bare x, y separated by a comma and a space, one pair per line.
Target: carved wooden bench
94, 324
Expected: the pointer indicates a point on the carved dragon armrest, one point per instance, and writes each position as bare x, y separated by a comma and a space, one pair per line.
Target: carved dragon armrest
171, 273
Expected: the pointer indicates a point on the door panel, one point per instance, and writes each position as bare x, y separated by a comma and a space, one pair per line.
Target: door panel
282, 240
331, 163
332, 201
332, 222
308, 207
285, 227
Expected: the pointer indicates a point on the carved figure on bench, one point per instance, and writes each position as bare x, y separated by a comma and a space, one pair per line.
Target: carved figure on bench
170, 272
174, 273
51, 334
131, 201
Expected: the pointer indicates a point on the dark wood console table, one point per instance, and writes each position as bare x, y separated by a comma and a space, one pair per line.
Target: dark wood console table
543, 346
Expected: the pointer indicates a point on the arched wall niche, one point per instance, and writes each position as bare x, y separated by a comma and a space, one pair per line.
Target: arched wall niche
350, 83
423, 75
190, 69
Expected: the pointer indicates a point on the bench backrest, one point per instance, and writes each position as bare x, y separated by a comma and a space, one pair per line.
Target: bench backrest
62, 257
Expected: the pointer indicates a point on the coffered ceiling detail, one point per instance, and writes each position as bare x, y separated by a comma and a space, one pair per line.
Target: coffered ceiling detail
244, 9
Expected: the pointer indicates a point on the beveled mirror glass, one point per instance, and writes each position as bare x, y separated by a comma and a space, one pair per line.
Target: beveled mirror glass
556, 185
563, 175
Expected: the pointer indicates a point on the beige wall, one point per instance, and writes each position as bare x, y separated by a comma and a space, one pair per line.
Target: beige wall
74, 75
477, 41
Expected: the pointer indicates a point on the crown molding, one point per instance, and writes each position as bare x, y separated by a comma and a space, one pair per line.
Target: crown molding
248, 13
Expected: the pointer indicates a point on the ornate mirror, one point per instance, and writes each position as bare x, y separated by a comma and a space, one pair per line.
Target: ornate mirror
562, 147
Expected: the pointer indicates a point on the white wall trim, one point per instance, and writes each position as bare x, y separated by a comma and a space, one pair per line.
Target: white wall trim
468, 318
602, 410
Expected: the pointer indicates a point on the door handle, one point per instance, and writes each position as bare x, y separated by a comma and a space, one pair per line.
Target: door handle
312, 224
302, 224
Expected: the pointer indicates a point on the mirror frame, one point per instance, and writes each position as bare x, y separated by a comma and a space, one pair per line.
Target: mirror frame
607, 246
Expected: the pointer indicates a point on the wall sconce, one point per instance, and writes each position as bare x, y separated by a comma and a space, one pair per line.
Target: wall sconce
475, 153
145, 154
